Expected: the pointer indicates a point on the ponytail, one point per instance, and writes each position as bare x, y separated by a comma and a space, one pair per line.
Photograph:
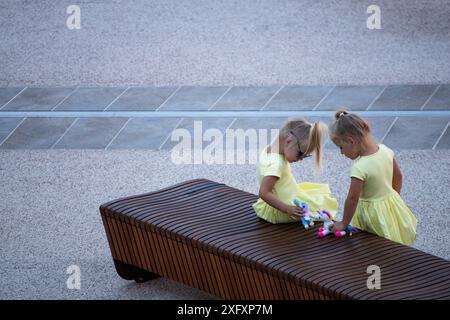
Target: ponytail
348, 124
310, 136
316, 137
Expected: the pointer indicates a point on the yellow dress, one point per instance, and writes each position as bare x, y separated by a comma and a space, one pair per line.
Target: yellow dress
318, 196
380, 209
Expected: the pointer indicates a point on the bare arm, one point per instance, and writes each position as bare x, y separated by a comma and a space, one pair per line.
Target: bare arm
397, 178
351, 203
265, 193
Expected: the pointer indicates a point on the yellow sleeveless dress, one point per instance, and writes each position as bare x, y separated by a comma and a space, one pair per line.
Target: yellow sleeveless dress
317, 195
380, 209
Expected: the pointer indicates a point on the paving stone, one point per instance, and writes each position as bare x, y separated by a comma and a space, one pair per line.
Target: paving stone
193, 98
7, 125
440, 100
350, 98
38, 99
91, 133
144, 133
37, 133
294, 98
415, 133
403, 97
6, 94
142, 99
246, 98
90, 99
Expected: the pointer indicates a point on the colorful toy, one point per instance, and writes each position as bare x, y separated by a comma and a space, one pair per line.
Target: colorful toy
323, 216
308, 217
327, 218
325, 230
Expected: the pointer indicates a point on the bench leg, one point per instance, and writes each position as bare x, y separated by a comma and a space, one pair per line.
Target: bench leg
129, 272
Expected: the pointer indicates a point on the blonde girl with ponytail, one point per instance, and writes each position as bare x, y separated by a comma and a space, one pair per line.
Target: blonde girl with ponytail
296, 141
373, 202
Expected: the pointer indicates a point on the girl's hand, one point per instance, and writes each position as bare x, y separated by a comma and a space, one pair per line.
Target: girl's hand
338, 226
295, 211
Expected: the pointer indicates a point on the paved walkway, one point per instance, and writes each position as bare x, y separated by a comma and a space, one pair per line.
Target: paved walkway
404, 117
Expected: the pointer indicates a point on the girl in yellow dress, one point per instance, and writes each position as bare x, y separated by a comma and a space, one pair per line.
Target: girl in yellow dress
296, 141
373, 200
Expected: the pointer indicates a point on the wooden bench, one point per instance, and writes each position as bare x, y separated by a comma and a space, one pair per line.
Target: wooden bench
206, 235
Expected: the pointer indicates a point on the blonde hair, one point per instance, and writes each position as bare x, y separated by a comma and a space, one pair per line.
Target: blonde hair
310, 136
348, 125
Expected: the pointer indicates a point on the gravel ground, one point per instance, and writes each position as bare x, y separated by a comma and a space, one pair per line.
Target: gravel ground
214, 42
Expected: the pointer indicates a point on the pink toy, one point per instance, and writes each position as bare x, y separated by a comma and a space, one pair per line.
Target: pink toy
325, 230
